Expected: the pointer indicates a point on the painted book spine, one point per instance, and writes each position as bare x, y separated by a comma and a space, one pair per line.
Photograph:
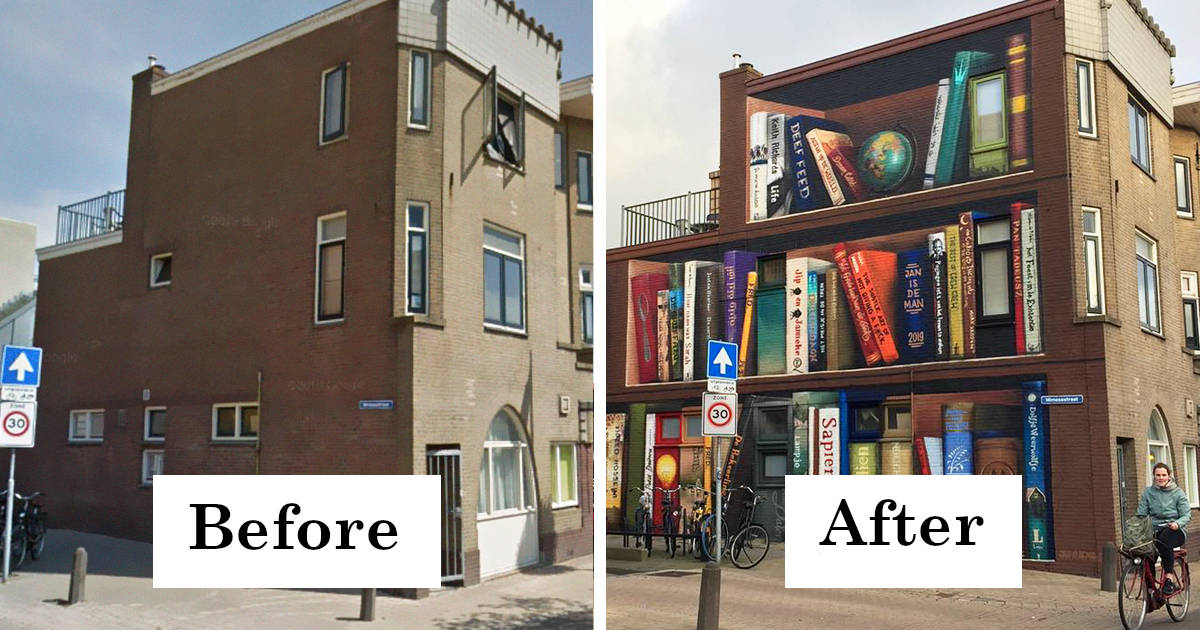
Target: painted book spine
840, 151
797, 314
922, 457
841, 341
664, 336
864, 458
737, 264
1018, 102
862, 326
948, 154
1017, 282
709, 313
822, 337
814, 320
935, 446
916, 305
937, 283
801, 434
828, 421
966, 246
771, 328
747, 323
779, 190
954, 293
1039, 522
675, 325
635, 455
935, 134
825, 168
873, 308
689, 319
896, 457
645, 295
959, 441
1029, 281
807, 189
758, 166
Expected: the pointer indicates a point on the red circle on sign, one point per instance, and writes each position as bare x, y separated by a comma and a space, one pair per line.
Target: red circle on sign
728, 414
22, 415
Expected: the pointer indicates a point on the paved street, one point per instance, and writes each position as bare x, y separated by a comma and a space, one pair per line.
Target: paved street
662, 594
119, 597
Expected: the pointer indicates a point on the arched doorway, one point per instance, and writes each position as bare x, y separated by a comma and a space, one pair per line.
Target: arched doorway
507, 513
1158, 444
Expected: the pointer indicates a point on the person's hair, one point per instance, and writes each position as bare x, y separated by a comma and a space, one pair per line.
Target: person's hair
1163, 466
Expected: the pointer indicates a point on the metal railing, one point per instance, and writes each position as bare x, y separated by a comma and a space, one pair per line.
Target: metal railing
690, 213
93, 217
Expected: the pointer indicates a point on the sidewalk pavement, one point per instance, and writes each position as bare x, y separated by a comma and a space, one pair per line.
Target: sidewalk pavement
120, 597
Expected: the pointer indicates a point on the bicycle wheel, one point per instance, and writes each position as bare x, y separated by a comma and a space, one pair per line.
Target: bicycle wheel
750, 546
1131, 596
1177, 603
37, 534
17, 557
669, 531
708, 538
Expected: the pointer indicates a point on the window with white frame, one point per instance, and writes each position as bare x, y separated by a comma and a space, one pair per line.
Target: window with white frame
1157, 443
152, 464
418, 257
1139, 135
86, 425
993, 245
1084, 79
1183, 186
1190, 478
155, 424
235, 421
583, 161
418, 90
331, 266
1093, 261
1147, 282
566, 481
160, 270
505, 470
333, 103
585, 303
504, 122
560, 159
1191, 309
503, 278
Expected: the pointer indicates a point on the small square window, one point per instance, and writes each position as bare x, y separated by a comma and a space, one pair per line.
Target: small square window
155, 424
160, 270
86, 425
333, 103
152, 464
235, 421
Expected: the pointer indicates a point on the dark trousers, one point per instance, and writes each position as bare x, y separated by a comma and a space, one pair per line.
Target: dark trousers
1166, 540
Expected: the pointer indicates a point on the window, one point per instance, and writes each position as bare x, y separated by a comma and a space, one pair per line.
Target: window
1139, 136
989, 125
333, 103
566, 483
87, 425
1084, 78
1190, 479
1191, 309
1093, 261
505, 472
160, 270
331, 266
993, 251
418, 90
235, 421
503, 278
1147, 283
504, 122
560, 159
155, 429
418, 257
585, 302
1183, 186
584, 160
1158, 444
152, 464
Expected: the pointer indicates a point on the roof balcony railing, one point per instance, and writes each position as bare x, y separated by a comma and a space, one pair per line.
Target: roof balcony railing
93, 217
682, 215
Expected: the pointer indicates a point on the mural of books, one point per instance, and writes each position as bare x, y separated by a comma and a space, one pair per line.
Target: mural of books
965, 290
950, 116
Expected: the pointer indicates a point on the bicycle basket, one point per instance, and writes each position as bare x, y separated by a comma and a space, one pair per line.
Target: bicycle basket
1138, 538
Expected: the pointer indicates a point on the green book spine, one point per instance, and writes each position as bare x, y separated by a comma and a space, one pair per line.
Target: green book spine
965, 62
772, 353
635, 458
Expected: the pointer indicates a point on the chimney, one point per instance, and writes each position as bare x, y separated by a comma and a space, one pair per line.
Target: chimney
153, 61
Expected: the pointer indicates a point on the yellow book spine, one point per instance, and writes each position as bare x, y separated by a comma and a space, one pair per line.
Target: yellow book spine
954, 292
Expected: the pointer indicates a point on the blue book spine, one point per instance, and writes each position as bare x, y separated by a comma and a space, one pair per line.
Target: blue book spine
813, 324
958, 449
808, 190
844, 430
1039, 516
916, 340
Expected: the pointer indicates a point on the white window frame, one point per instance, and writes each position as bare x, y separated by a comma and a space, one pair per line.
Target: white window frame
428, 95
586, 288
146, 425
155, 258
484, 511
1097, 239
524, 279
147, 472
1139, 260
1186, 210
1189, 291
317, 268
560, 159
580, 204
1151, 444
88, 438
1143, 116
345, 133
408, 232
239, 410
1190, 478
558, 500
1088, 131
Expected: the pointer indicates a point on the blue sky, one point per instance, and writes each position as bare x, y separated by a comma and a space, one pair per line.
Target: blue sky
66, 68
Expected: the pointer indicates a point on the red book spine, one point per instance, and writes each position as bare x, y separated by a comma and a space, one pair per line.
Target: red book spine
1018, 102
966, 239
844, 164
644, 289
1018, 286
866, 340
922, 456
873, 309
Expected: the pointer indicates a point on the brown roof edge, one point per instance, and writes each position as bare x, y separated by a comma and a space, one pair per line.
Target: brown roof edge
903, 44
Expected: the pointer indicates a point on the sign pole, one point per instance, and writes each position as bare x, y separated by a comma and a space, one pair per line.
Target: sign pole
718, 468
8, 512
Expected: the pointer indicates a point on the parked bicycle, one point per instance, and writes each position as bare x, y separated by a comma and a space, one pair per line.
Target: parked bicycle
643, 518
1140, 592
29, 527
747, 544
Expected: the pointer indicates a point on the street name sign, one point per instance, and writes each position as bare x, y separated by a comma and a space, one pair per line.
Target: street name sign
722, 386
18, 424
720, 415
376, 404
20, 365
1062, 399
13, 393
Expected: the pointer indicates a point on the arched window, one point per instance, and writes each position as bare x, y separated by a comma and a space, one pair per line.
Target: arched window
1158, 444
505, 470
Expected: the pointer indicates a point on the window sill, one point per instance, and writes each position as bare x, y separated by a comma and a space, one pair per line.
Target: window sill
1098, 318
154, 440
479, 518
1144, 170
1154, 333
146, 486
418, 127
1090, 136
564, 506
161, 285
329, 322
87, 442
1195, 354
584, 207
234, 441
1185, 215
487, 156
418, 319
321, 144
504, 330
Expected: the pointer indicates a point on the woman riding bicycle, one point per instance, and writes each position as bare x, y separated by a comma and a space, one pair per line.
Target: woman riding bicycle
1167, 506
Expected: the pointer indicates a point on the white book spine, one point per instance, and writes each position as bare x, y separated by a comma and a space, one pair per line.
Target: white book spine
829, 450
689, 319
1029, 281
796, 303
779, 190
758, 166
648, 469
935, 136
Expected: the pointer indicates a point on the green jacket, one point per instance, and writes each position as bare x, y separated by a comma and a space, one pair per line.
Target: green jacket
1165, 505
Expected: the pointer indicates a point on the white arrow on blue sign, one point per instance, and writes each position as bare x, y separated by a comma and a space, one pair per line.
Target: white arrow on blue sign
21, 366
722, 359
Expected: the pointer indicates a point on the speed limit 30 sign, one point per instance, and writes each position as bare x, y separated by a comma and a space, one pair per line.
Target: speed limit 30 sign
720, 414
18, 421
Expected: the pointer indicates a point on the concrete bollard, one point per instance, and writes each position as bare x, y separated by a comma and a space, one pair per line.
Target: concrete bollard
709, 615
366, 610
1109, 565
75, 592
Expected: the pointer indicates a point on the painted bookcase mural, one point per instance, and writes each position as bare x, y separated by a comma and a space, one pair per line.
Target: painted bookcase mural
944, 114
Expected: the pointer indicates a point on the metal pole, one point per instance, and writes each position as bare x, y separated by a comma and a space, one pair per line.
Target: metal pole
8, 510
719, 514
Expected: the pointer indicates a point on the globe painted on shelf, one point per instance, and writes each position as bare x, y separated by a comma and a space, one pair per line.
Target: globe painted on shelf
886, 160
